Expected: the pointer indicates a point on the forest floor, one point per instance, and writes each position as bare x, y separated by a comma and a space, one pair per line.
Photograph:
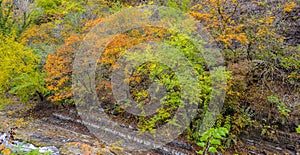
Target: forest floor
48, 124
40, 126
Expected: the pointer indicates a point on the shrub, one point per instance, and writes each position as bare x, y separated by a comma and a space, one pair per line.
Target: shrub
19, 70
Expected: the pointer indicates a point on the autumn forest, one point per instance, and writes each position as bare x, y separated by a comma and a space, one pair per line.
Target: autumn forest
149, 77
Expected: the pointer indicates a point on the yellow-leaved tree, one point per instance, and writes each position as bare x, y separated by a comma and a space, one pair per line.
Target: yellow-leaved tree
19, 70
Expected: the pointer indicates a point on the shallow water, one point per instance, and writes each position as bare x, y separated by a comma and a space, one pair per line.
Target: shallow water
18, 145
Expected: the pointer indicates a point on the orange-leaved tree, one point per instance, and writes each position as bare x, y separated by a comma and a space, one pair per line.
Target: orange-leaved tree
237, 27
58, 69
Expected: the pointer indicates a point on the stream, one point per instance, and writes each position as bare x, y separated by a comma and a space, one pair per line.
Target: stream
18, 145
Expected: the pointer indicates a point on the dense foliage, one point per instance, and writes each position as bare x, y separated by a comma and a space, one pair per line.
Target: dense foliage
39, 40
